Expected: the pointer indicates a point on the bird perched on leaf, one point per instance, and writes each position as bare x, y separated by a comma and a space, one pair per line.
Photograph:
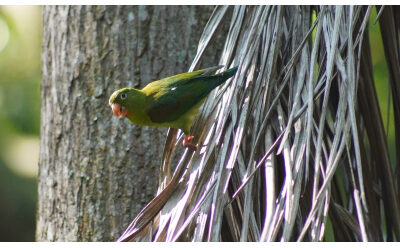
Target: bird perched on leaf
170, 102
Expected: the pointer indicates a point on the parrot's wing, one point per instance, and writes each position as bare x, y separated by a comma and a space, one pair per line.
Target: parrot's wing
169, 103
177, 100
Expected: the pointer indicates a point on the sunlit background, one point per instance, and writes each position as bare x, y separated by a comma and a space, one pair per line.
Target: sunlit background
20, 75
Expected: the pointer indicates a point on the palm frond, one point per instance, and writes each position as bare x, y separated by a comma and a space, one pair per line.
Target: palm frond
293, 142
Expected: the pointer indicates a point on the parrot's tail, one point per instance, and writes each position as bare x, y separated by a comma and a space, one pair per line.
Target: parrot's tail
225, 75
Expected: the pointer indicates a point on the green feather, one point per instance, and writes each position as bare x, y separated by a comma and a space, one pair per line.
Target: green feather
173, 101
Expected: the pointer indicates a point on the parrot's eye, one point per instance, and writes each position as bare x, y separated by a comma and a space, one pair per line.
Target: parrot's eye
123, 96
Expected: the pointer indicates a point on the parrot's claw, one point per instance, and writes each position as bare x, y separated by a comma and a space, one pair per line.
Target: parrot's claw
187, 143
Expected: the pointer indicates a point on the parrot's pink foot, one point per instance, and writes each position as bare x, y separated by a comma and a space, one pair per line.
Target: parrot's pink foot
187, 143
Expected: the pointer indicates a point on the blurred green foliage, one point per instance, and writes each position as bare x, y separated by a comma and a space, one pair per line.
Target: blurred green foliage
20, 73
381, 77
17, 211
20, 76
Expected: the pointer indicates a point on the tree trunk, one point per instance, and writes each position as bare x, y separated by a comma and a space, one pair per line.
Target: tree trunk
96, 171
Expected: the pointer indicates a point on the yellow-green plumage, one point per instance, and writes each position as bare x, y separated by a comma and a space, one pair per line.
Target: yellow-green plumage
170, 102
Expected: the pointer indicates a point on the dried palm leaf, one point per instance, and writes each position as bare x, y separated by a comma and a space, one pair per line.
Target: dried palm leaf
295, 140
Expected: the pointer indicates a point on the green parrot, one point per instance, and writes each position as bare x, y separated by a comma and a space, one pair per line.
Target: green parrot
170, 102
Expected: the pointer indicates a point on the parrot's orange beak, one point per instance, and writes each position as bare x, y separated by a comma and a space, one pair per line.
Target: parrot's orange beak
119, 110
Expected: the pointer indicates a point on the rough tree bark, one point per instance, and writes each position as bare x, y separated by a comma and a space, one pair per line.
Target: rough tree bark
96, 172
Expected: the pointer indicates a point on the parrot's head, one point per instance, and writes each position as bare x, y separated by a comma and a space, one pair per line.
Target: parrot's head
119, 102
